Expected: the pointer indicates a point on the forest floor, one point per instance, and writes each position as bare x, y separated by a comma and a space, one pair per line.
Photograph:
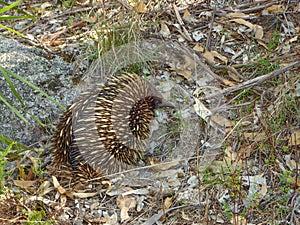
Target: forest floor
253, 47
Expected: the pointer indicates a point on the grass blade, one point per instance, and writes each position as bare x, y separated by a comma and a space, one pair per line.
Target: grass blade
8, 141
13, 31
35, 88
3, 10
12, 108
16, 17
11, 86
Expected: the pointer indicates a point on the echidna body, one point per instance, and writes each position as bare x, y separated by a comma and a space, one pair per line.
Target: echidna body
104, 130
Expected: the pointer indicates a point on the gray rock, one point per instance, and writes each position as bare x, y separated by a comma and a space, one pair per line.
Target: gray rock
54, 76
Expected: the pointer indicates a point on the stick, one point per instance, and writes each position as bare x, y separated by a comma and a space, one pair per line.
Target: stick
253, 82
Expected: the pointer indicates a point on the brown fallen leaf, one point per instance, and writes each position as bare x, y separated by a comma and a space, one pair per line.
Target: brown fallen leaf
168, 202
141, 7
57, 185
125, 203
275, 9
24, 183
294, 138
198, 48
83, 194
236, 15
211, 55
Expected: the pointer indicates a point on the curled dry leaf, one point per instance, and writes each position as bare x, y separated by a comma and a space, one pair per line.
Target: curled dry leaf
125, 203
211, 55
168, 202
202, 110
290, 162
57, 185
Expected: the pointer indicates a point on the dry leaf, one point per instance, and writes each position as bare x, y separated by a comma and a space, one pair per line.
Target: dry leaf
259, 32
237, 15
244, 22
233, 76
185, 67
168, 202
228, 83
83, 194
42, 199
294, 138
214, 54
125, 203
24, 183
290, 162
276, 9
164, 30
45, 188
141, 7
187, 74
236, 156
209, 56
198, 35
202, 110
220, 121
187, 16
166, 165
198, 48
142, 191
56, 184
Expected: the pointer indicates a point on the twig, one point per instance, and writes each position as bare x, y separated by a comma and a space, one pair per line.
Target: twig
72, 12
57, 34
231, 69
181, 23
253, 82
153, 219
207, 46
257, 8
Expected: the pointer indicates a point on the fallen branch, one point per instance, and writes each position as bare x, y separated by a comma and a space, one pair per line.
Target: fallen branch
253, 82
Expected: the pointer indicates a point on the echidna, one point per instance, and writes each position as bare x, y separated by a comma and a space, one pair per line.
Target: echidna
104, 130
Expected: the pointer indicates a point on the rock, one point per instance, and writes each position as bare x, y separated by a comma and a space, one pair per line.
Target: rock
54, 76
